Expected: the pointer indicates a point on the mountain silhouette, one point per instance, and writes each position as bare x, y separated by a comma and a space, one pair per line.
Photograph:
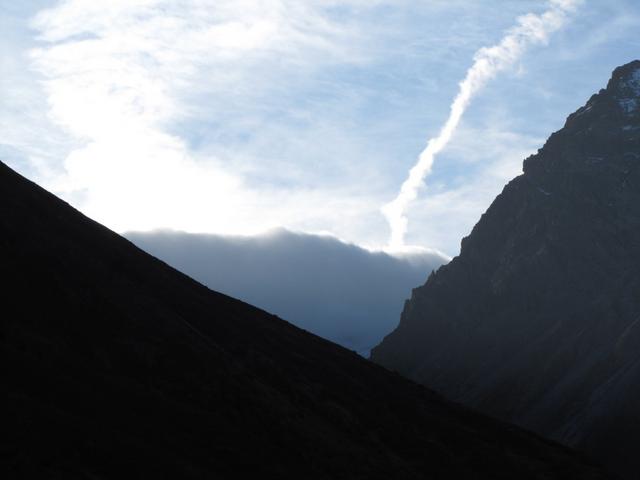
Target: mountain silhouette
115, 365
537, 321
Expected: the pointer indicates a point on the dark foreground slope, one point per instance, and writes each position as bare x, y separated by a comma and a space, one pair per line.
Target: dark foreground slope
537, 321
115, 365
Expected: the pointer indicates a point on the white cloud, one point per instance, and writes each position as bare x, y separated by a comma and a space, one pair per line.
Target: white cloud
119, 75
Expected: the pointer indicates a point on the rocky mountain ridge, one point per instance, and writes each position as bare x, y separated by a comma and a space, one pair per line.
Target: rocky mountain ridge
537, 321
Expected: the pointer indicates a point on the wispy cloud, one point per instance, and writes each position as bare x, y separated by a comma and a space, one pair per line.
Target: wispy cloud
121, 77
488, 61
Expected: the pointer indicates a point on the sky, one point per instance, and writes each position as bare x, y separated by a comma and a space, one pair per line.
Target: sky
236, 117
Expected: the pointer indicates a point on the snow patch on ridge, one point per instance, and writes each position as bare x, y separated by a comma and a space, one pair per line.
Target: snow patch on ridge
630, 88
634, 82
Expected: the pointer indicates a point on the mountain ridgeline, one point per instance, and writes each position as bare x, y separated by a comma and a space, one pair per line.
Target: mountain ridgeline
115, 365
537, 321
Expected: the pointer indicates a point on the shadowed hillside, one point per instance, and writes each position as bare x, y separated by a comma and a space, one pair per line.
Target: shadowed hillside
116, 365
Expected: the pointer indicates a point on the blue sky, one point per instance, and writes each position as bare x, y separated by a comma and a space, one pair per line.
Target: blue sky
236, 116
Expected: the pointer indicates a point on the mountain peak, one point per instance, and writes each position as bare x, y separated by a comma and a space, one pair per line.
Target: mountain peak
614, 104
536, 321
607, 126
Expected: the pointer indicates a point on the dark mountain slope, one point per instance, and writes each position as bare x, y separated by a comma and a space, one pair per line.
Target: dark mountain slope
537, 321
115, 365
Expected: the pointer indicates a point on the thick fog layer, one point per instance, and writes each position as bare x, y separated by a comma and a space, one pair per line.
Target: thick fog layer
339, 291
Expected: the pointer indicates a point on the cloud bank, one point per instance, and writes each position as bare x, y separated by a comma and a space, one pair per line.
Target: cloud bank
339, 291
488, 61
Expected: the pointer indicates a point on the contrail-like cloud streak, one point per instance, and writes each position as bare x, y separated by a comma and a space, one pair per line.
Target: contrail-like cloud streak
530, 30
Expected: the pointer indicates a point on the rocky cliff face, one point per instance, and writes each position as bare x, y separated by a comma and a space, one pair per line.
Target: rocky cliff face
537, 321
